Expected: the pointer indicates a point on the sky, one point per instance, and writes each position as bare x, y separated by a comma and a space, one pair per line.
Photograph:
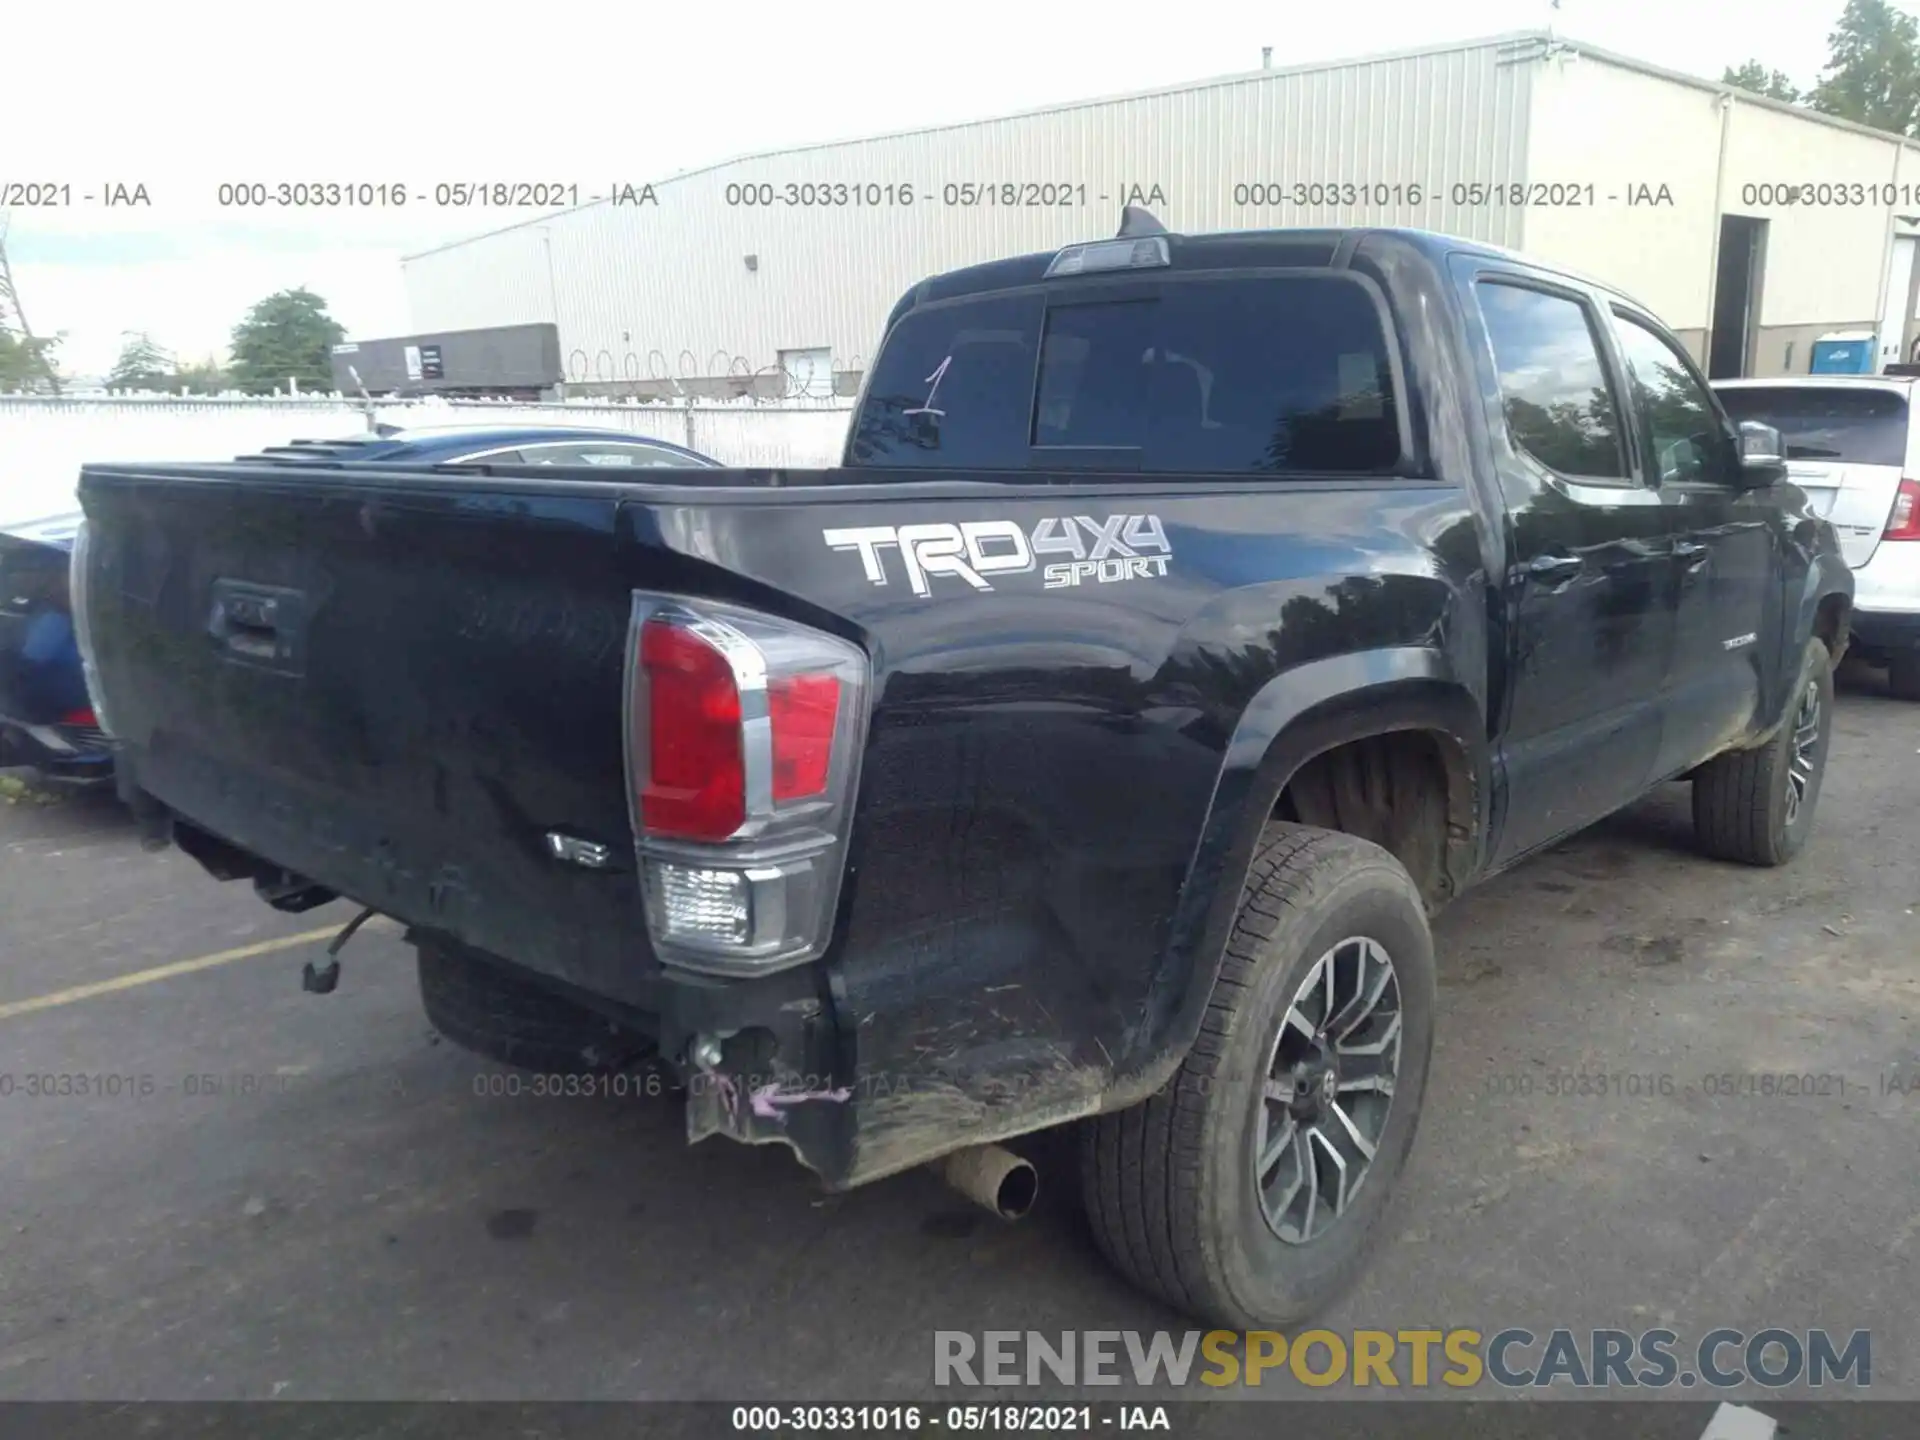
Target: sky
181, 99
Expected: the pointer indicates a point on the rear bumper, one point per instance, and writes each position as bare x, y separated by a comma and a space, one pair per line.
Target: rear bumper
766, 1060
910, 1039
758, 1056
1886, 599
56, 752
1880, 632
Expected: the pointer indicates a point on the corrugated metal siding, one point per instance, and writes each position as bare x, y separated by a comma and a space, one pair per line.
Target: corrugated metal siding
645, 292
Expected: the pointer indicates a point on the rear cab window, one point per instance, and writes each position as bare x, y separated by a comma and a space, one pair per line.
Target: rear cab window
1855, 426
1247, 374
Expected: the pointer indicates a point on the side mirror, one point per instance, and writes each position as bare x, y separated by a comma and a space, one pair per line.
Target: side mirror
1763, 454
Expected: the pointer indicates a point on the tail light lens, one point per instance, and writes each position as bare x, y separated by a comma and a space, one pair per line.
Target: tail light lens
82, 716
696, 776
1904, 522
743, 739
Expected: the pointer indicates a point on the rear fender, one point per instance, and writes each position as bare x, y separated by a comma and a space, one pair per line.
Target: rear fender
1296, 716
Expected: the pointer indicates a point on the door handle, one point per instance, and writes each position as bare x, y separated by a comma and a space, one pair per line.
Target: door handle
1692, 556
259, 625
1554, 568
248, 624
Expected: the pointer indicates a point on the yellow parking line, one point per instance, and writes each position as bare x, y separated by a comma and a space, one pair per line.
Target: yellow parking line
167, 972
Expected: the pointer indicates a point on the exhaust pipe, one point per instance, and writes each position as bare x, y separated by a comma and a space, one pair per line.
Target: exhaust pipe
992, 1177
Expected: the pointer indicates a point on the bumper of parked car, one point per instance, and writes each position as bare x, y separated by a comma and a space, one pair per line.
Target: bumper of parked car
1881, 632
1886, 599
71, 754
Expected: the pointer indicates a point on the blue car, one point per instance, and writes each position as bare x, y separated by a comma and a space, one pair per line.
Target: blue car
46, 718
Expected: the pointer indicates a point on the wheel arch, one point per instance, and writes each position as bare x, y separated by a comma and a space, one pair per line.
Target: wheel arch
1298, 716
1824, 613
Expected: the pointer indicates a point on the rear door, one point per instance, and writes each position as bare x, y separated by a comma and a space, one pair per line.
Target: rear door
1846, 447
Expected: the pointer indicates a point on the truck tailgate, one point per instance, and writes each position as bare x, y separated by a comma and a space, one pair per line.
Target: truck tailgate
396, 694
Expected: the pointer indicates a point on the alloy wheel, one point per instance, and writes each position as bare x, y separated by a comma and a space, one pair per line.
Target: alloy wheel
1328, 1090
1806, 745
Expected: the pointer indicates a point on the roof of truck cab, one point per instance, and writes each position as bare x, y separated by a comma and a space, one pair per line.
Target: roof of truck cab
1306, 247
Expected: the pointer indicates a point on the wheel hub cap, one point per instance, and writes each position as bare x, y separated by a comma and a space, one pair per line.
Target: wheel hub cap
1316, 1083
1328, 1090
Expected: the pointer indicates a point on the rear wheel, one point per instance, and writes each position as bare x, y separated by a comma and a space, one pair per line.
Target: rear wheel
1250, 1191
1903, 675
1756, 806
488, 1008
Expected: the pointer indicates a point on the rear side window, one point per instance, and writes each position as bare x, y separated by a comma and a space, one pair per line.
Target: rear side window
1559, 404
1255, 375
953, 387
1857, 427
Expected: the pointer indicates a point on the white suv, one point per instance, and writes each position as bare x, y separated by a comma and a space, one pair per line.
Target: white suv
1852, 446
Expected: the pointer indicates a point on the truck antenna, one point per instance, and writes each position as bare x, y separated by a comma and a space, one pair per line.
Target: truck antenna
1138, 220
373, 422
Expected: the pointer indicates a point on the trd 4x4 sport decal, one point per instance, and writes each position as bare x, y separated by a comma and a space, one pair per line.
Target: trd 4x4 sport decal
1102, 551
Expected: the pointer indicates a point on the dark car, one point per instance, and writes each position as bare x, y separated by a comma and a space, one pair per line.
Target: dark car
1188, 619
46, 719
497, 445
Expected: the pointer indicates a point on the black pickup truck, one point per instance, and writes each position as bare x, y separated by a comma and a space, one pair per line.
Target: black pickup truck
1190, 617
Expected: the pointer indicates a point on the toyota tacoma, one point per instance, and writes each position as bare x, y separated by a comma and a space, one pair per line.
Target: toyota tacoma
1190, 617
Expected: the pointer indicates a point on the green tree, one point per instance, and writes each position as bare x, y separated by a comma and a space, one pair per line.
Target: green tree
28, 365
26, 361
143, 365
1873, 68
1754, 76
205, 377
288, 335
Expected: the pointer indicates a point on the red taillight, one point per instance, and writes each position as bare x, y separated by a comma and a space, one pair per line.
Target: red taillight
745, 729
803, 709
696, 787
1904, 522
82, 716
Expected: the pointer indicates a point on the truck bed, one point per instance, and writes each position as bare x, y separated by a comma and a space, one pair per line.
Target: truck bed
395, 684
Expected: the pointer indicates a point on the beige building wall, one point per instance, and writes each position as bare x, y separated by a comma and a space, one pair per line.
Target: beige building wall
1630, 137
809, 249
1626, 170
1832, 195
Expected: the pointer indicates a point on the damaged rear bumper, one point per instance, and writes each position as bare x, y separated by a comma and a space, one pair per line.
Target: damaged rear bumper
761, 1060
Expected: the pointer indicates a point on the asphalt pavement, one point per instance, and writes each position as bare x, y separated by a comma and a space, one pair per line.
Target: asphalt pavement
267, 1194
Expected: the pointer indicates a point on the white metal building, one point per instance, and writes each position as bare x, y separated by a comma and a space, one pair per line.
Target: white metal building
1751, 226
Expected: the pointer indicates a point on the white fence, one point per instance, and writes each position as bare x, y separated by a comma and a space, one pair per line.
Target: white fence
44, 440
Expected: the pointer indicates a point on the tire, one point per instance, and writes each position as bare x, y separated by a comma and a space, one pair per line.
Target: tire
1903, 675
485, 1007
1169, 1185
1745, 805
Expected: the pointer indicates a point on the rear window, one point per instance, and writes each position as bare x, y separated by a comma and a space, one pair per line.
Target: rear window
1254, 376
1857, 427
952, 387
